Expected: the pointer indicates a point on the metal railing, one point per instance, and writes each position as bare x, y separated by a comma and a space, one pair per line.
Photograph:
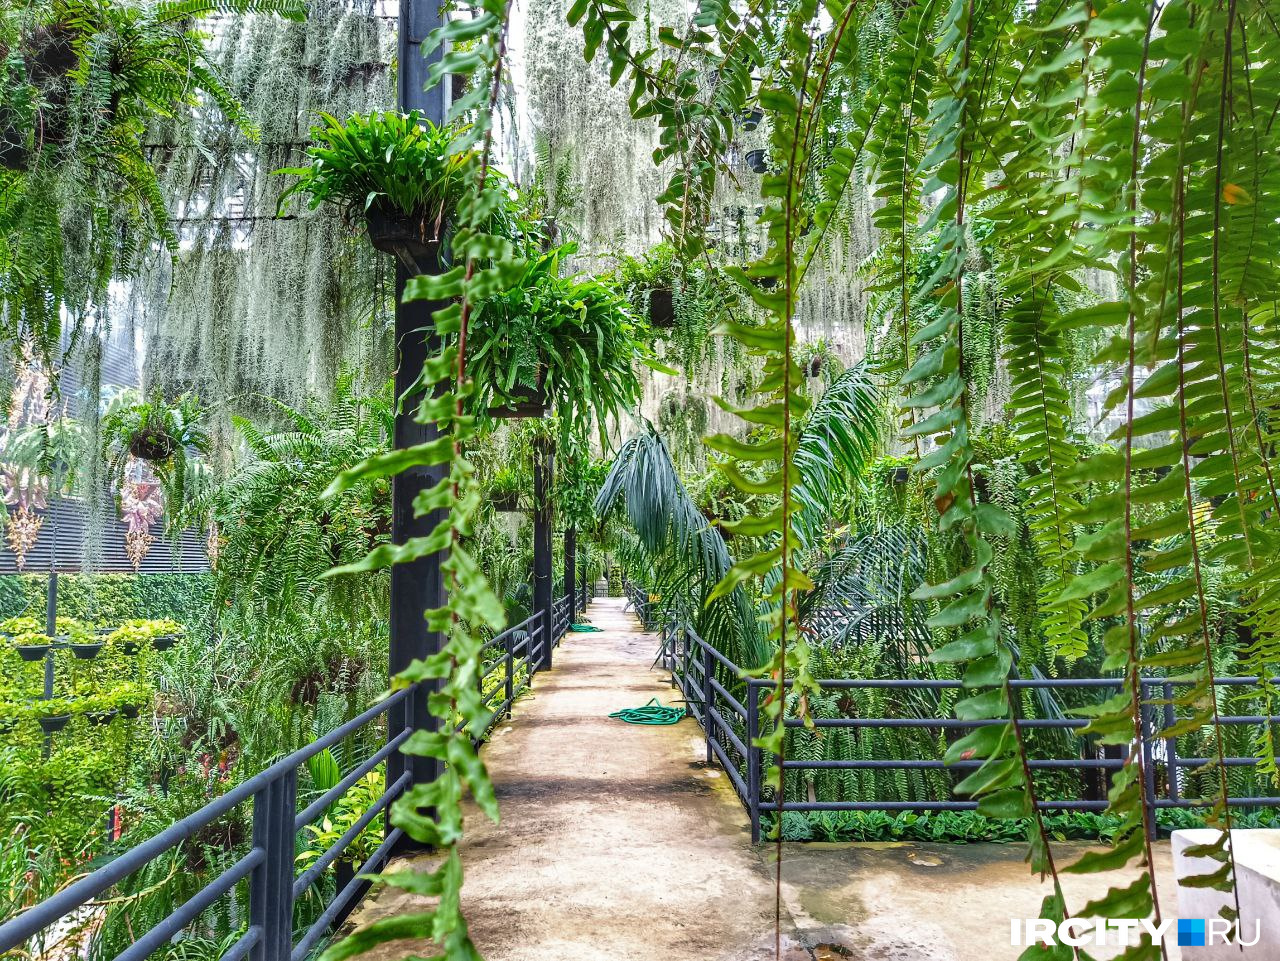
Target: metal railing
726, 703
268, 867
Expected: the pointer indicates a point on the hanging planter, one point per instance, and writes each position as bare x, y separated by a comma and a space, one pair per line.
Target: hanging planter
100, 718
757, 161
900, 475
87, 652
814, 367
164, 642
394, 170
129, 711
523, 401
507, 502
32, 652
54, 722
662, 309
403, 236
751, 118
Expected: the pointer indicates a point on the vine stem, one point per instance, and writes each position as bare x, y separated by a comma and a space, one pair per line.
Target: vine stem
1131, 668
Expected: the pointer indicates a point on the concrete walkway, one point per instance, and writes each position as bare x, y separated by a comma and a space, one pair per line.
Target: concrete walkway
618, 844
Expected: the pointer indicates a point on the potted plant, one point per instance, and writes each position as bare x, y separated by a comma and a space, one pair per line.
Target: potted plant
816, 357
567, 341
757, 161
163, 435
53, 713
31, 647
99, 709
86, 650
649, 283
393, 170
504, 491
130, 697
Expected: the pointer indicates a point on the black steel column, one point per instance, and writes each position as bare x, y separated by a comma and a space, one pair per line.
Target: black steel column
419, 586
543, 460
571, 569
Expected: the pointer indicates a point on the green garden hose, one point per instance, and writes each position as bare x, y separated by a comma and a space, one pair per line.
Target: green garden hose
585, 629
651, 713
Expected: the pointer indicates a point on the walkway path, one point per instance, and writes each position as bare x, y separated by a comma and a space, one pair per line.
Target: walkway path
618, 844
615, 843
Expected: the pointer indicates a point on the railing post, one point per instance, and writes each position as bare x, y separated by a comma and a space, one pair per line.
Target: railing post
753, 759
543, 600
571, 569
1147, 729
509, 651
271, 883
708, 694
1171, 744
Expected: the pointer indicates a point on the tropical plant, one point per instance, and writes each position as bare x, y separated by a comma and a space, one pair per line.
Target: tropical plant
80, 202
278, 535
1126, 139
388, 163
570, 343
164, 436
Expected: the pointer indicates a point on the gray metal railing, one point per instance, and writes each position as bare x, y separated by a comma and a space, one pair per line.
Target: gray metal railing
268, 867
726, 703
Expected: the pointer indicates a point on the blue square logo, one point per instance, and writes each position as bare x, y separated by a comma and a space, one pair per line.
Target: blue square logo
1191, 932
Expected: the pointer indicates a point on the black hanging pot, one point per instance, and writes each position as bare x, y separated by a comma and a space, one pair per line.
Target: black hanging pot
164, 642
523, 401
13, 151
901, 475
411, 240
814, 367
99, 718
751, 118
54, 722
662, 310
505, 503
152, 444
86, 652
757, 161
130, 711
32, 652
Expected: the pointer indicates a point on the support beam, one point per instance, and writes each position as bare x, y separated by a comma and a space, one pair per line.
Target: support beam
543, 465
419, 586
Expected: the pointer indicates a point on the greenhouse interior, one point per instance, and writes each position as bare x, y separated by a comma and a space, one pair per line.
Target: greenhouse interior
616, 480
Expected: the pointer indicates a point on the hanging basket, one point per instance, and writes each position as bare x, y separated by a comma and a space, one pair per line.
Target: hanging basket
662, 310
153, 445
405, 237
757, 161
54, 722
751, 118
507, 503
814, 367
99, 718
164, 642
524, 401
32, 652
86, 652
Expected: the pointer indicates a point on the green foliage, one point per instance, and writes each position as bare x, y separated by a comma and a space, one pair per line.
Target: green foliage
571, 343
80, 202
164, 434
486, 265
278, 534
111, 598
397, 163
